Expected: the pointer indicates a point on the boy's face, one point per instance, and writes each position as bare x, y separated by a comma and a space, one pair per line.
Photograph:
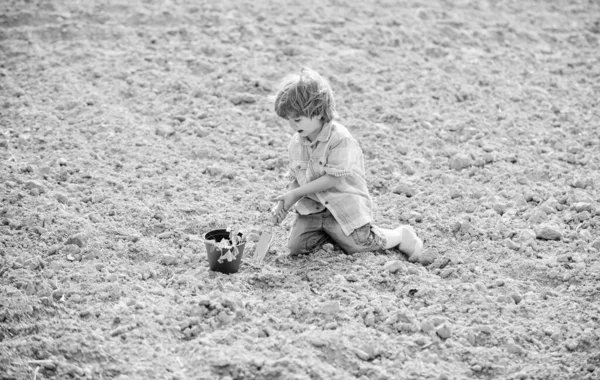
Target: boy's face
306, 127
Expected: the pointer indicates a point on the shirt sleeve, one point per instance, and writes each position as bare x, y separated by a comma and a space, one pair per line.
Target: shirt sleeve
342, 158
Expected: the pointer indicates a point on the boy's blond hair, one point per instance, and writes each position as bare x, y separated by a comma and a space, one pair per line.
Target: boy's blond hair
306, 94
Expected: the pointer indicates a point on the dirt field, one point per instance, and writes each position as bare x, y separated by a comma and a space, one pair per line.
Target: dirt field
131, 128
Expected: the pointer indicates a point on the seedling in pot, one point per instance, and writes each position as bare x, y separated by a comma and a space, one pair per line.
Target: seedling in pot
228, 247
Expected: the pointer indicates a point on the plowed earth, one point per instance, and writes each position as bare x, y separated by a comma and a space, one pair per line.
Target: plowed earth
131, 128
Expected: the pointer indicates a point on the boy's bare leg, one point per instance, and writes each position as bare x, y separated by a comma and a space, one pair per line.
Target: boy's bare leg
406, 239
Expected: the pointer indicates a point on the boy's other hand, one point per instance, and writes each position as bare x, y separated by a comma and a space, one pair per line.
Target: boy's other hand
279, 213
289, 199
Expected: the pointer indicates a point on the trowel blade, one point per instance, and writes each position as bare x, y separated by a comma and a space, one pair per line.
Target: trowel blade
263, 246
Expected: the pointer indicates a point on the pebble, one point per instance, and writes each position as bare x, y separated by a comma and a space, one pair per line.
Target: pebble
78, 240
393, 266
571, 344
460, 162
426, 326
428, 257
169, 259
548, 232
404, 188
70, 249
582, 206
316, 341
526, 235
332, 307
517, 298
505, 299
253, 237
512, 245
361, 354
447, 272
402, 149
444, 331
242, 99
331, 326
164, 130
514, 348
165, 235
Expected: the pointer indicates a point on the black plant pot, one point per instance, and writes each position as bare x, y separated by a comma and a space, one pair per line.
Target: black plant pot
214, 253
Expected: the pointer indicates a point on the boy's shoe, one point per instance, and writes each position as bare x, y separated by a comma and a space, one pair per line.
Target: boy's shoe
411, 244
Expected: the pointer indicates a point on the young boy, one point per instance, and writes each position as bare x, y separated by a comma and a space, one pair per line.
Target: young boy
328, 187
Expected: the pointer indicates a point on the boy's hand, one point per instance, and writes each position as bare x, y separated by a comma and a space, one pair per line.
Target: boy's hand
279, 213
289, 199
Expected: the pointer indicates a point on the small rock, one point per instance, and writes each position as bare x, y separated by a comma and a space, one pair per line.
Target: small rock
444, 331
505, 299
427, 257
78, 240
526, 235
169, 259
35, 185
548, 232
331, 326
517, 298
242, 99
165, 235
512, 245
402, 149
514, 348
404, 188
447, 272
571, 344
316, 341
332, 307
426, 326
164, 130
361, 354
253, 237
460, 162
61, 198
538, 216
70, 249
393, 266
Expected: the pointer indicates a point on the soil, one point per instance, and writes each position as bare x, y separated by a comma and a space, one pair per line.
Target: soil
131, 128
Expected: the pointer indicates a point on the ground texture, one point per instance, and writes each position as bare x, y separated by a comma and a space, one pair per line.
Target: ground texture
131, 128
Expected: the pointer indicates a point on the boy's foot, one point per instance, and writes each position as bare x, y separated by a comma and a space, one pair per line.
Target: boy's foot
410, 245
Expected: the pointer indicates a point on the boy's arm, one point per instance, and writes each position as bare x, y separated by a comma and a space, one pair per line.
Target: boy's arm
322, 183
296, 191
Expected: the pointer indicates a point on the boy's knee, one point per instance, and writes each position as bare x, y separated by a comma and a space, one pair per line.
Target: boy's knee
295, 248
303, 246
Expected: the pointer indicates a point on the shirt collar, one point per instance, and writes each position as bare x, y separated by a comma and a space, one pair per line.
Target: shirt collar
322, 136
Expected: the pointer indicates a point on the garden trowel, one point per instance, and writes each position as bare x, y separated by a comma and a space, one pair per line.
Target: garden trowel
266, 237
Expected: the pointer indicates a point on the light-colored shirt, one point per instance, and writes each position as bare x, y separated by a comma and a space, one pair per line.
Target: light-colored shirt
337, 153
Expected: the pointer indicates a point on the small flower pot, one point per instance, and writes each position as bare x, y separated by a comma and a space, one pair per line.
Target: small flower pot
224, 260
